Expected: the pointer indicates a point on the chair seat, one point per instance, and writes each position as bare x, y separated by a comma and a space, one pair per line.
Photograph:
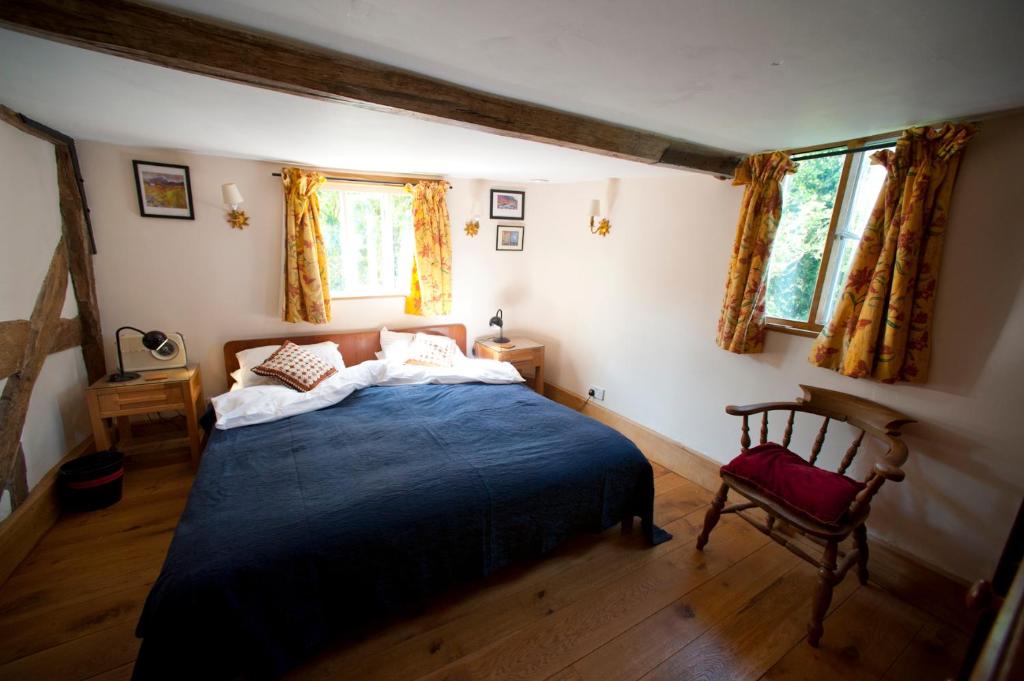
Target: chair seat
785, 477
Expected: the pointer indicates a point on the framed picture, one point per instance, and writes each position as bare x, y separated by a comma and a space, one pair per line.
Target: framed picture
164, 190
508, 205
510, 238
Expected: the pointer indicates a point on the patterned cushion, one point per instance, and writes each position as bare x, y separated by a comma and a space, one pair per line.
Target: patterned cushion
432, 351
295, 366
784, 476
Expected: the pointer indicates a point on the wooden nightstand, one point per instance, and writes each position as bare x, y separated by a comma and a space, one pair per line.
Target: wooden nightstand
154, 391
526, 355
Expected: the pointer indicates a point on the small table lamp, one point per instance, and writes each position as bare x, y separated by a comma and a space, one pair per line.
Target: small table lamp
497, 321
152, 340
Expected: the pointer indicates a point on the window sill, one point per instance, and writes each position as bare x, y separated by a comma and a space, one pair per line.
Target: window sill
370, 296
793, 330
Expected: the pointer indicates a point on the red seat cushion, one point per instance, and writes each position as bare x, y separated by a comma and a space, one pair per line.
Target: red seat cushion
782, 475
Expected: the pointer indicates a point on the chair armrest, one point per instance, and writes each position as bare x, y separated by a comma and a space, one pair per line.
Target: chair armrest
889, 472
783, 406
749, 409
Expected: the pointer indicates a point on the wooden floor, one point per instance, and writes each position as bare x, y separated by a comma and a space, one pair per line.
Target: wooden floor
602, 608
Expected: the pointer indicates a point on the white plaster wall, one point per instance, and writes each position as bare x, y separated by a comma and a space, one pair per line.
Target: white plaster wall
635, 313
30, 227
214, 284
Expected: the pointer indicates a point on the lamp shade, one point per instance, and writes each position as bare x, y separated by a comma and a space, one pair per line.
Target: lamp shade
595, 208
154, 339
499, 321
232, 196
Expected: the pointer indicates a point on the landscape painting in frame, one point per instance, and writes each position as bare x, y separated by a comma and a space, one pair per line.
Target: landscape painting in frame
507, 204
164, 190
510, 238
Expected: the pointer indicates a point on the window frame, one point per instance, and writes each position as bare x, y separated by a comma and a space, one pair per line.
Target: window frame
811, 328
367, 183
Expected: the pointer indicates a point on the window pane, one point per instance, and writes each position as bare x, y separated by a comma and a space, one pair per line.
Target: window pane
368, 236
862, 190
808, 198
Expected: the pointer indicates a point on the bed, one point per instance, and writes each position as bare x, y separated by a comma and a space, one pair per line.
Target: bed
297, 531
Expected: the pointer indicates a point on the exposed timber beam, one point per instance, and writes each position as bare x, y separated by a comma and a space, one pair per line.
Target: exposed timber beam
156, 36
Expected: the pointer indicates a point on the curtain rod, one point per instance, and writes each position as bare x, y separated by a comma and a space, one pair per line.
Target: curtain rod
388, 183
843, 152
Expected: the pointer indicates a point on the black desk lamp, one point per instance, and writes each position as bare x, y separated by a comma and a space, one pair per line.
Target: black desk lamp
156, 341
497, 321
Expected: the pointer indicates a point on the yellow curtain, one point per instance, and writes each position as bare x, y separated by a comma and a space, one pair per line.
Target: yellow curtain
882, 323
307, 295
741, 322
431, 289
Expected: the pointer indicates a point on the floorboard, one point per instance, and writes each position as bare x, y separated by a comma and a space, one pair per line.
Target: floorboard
601, 608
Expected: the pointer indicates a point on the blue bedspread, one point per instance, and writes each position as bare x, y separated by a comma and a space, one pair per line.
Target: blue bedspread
298, 530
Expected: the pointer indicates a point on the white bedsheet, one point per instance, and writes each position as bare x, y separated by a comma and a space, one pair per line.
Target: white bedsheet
267, 403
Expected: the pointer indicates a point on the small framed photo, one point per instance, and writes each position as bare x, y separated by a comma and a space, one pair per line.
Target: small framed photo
164, 190
507, 204
510, 238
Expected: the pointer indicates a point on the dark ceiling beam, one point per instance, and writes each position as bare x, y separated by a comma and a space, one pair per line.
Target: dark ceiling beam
156, 36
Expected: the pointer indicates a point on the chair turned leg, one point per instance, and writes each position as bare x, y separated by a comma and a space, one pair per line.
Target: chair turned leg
823, 595
860, 538
712, 516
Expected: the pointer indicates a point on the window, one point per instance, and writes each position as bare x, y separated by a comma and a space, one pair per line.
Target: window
368, 237
825, 206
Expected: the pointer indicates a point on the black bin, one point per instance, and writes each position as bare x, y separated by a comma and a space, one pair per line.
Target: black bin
92, 481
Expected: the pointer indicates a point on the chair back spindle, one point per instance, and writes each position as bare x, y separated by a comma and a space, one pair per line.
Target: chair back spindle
745, 436
819, 441
788, 435
764, 427
851, 453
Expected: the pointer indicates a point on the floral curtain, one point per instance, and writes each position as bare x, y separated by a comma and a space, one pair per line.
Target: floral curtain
431, 289
882, 323
307, 297
741, 322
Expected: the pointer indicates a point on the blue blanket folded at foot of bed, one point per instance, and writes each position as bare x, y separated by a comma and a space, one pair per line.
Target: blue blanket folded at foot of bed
299, 530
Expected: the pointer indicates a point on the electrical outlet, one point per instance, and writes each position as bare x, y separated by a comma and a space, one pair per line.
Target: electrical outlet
596, 393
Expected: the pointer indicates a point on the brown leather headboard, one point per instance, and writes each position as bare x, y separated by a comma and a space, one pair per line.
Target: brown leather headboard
355, 346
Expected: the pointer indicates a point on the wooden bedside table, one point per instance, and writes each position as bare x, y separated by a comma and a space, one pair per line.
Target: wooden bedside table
154, 391
526, 355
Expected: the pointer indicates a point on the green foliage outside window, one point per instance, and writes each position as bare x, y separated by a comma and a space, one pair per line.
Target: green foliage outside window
809, 196
368, 239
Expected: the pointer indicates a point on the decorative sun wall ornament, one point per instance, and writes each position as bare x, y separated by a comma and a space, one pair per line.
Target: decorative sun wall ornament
603, 227
472, 227
238, 219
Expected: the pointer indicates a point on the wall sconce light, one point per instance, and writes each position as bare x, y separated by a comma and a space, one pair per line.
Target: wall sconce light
598, 223
473, 224
232, 197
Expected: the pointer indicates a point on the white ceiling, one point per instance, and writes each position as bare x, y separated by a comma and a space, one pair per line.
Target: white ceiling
93, 96
700, 70
743, 76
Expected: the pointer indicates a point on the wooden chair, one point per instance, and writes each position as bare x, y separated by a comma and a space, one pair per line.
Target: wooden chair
765, 476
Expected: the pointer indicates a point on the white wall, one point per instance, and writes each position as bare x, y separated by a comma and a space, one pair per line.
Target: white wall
30, 227
214, 283
635, 313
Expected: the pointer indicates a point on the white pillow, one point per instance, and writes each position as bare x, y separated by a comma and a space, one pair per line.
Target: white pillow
464, 370
253, 357
432, 351
394, 344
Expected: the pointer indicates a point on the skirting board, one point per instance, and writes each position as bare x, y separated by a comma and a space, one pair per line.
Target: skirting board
23, 529
927, 587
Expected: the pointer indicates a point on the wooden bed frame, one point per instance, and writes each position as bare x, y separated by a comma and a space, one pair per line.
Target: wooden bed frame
355, 346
